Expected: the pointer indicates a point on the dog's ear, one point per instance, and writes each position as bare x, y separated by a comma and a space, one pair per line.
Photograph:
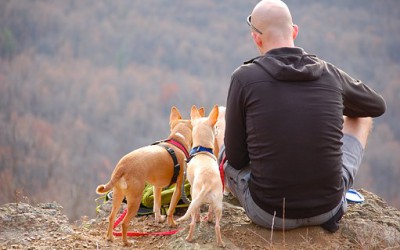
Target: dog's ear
213, 116
201, 111
194, 113
216, 147
221, 110
175, 115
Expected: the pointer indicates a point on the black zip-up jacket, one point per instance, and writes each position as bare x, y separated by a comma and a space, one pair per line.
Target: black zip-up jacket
284, 116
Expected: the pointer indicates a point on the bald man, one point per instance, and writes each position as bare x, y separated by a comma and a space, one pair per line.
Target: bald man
296, 128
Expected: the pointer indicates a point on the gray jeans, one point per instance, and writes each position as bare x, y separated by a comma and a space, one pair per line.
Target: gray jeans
237, 181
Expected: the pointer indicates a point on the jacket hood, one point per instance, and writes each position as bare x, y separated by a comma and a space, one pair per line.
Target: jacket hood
290, 64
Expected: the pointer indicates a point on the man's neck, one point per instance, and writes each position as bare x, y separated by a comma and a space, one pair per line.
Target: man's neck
276, 45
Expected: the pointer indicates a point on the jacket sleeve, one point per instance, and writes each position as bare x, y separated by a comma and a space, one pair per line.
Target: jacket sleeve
235, 130
359, 100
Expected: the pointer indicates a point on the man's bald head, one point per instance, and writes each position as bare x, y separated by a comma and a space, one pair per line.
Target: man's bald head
273, 19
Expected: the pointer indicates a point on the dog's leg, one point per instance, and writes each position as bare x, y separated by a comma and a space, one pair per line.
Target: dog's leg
209, 216
133, 199
192, 225
218, 215
210, 213
197, 215
172, 205
157, 204
118, 196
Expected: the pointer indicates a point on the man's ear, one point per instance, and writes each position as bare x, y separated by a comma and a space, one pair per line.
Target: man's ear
295, 31
257, 39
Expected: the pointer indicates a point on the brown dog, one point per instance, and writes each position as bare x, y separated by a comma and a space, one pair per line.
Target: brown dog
152, 164
203, 174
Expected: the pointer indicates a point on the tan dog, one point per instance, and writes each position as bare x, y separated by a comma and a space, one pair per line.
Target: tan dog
152, 164
219, 140
220, 130
203, 174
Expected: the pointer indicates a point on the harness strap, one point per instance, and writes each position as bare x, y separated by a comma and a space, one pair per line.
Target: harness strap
222, 173
175, 143
179, 145
176, 164
222, 160
177, 167
221, 154
197, 150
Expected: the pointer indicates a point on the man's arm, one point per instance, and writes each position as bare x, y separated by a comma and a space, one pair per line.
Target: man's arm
359, 100
235, 131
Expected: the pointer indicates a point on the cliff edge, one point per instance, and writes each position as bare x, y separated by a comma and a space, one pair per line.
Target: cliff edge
368, 225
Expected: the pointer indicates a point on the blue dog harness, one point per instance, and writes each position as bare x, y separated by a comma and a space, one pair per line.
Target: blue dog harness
197, 150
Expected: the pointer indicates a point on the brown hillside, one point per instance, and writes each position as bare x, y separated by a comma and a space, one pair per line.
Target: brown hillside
370, 225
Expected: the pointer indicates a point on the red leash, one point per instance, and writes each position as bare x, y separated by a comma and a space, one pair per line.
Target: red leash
122, 216
221, 171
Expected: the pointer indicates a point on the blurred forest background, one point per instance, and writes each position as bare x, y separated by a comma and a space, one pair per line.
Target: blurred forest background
82, 83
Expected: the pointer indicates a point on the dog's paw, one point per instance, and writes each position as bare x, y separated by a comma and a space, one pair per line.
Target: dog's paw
222, 244
171, 222
160, 218
189, 239
207, 217
127, 244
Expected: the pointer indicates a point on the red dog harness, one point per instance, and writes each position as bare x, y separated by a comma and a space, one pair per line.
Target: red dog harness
177, 167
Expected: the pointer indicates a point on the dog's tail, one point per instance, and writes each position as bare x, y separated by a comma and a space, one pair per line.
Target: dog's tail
195, 203
104, 188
